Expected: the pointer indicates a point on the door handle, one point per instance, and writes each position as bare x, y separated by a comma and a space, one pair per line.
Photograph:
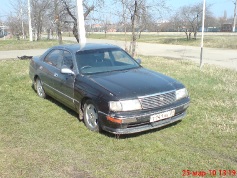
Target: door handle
55, 75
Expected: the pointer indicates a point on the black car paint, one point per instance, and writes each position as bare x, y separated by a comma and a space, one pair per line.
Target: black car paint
73, 90
135, 82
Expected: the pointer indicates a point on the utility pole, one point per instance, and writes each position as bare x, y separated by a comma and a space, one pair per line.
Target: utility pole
234, 16
81, 23
203, 23
30, 26
125, 24
134, 38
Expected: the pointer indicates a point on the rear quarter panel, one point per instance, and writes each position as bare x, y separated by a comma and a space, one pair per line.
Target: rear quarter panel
33, 67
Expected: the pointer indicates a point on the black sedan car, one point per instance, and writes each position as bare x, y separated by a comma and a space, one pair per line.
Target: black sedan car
108, 88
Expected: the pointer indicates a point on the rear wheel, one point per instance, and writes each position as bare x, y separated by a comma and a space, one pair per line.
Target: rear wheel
39, 88
90, 114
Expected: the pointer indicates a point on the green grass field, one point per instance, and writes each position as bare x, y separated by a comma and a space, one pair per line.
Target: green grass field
212, 41
13, 44
42, 138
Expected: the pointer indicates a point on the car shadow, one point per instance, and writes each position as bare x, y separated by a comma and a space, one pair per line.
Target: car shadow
133, 135
65, 108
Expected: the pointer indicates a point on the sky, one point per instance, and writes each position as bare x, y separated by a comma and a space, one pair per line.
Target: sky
218, 6
4, 8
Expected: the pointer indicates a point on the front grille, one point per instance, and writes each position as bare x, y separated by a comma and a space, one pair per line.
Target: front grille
157, 100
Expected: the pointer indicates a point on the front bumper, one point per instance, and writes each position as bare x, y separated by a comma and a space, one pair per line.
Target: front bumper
141, 121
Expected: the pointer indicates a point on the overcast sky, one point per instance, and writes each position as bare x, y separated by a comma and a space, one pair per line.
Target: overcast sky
218, 6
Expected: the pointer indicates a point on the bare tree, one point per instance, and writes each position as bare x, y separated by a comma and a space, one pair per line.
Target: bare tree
17, 18
139, 13
39, 13
189, 19
70, 7
14, 25
190, 15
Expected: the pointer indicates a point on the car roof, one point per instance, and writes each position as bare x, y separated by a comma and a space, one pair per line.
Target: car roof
88, 46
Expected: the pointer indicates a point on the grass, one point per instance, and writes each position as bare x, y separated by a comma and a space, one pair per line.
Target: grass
212, 41
13, 44
42, 138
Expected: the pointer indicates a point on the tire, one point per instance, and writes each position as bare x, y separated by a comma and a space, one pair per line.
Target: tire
39, 89
90, 115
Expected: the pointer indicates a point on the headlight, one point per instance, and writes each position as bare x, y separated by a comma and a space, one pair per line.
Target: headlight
126, 105
182, 93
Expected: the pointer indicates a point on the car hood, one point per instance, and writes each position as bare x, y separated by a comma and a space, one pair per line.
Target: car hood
134, 82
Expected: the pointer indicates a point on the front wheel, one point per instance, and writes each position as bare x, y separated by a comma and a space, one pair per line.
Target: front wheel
90, 113
39, 88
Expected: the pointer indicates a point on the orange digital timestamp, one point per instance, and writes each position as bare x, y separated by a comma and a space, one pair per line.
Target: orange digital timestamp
213, 173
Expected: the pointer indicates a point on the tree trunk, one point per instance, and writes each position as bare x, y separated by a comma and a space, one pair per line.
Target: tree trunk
39, 27
186, 33
189, 35
75, 30
58, 22
48, 34
195, 35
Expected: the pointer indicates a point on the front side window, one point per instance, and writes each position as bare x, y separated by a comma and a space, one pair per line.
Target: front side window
59, 58
67, 60
54, 58
104, 60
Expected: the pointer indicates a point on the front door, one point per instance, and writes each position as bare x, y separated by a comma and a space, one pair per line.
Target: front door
64, 83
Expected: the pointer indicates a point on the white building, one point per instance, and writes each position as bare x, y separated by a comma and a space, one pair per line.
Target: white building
3, 31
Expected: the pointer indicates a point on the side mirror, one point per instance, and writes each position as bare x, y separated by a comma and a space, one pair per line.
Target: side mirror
139, 61
66, 70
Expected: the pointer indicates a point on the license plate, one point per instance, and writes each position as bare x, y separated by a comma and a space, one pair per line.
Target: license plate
162, 116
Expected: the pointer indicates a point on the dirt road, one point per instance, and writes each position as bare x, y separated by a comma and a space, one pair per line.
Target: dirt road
226, 58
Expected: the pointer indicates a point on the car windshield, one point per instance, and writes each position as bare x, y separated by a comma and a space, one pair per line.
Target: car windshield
104, 60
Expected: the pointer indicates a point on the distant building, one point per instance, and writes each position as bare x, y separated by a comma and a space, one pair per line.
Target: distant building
102, 28
97, 28
3, 31
228, 27
209, 29
111, 29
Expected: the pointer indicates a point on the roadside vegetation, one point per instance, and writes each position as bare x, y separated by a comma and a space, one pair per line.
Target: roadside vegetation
42, 138
14, 44
211, 41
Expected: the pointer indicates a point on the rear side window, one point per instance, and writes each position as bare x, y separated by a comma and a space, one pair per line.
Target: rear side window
54, 58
